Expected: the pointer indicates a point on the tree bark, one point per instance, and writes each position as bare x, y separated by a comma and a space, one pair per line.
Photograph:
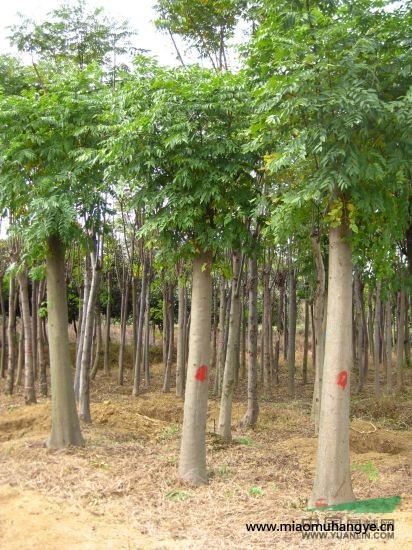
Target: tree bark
3, 331
292, 332
29, 392
319, 320
65, 430
192, 465
84, 395
79, 353
376, 338
106, 361
252, 412
123, 326
34, 303
225, 416
11, 338
400, 342
305, 345
99, 343
41, 344
388, 346
333, 480
139, 345
220, 361
265, 354
180, 361
170, 339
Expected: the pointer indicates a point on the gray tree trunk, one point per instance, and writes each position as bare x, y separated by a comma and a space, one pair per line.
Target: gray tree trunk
29, 392
400, 342
376, 338
106, 361
225, 416
65, 430
220, 360
388, 346
333, 479
252, 412
123, 327
192, 464
41, 345
11, 338
305, 345
292, 332
84, 394
3, 331
180, 361
139, 345
79, 353
319, 322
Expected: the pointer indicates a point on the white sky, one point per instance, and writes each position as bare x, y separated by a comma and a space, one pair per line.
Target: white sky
138, 13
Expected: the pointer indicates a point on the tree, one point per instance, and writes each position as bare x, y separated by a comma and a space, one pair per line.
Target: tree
44, 171
180, 145
332, 124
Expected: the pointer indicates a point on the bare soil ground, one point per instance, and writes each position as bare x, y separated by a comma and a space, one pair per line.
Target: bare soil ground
122, 490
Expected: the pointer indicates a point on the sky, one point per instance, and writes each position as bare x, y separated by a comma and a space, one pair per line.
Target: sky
138, 13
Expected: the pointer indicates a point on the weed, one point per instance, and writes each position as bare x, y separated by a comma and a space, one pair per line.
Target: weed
368, 468
169, 432
243, 441
256, 491
177, 496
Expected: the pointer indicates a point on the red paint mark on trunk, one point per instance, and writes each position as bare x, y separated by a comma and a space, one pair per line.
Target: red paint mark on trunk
320, 503
201, 373
343, 379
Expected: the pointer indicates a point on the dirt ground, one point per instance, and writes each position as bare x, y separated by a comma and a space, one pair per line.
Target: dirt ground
122, 490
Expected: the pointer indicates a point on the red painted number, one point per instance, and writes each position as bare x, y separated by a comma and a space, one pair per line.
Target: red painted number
201, 373
343, 379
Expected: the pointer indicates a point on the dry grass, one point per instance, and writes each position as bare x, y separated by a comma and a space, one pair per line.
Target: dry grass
127, 473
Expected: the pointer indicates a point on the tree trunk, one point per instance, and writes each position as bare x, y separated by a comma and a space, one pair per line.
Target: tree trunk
388, 346
139, 345
220, 361
20, 357
146, 339
292, 332
265, 353
305, 345
225, 416
79, 353
333, 480
123, 326
242, 373
359, 331
170, 339
319, 321
252, 412
192, 465
3, 331
400, 342
376, 338
84, 395
34, 302
180, 361
106, 361
99, 344
29, 393
41, 344
134, 314
65, 430
11, 338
